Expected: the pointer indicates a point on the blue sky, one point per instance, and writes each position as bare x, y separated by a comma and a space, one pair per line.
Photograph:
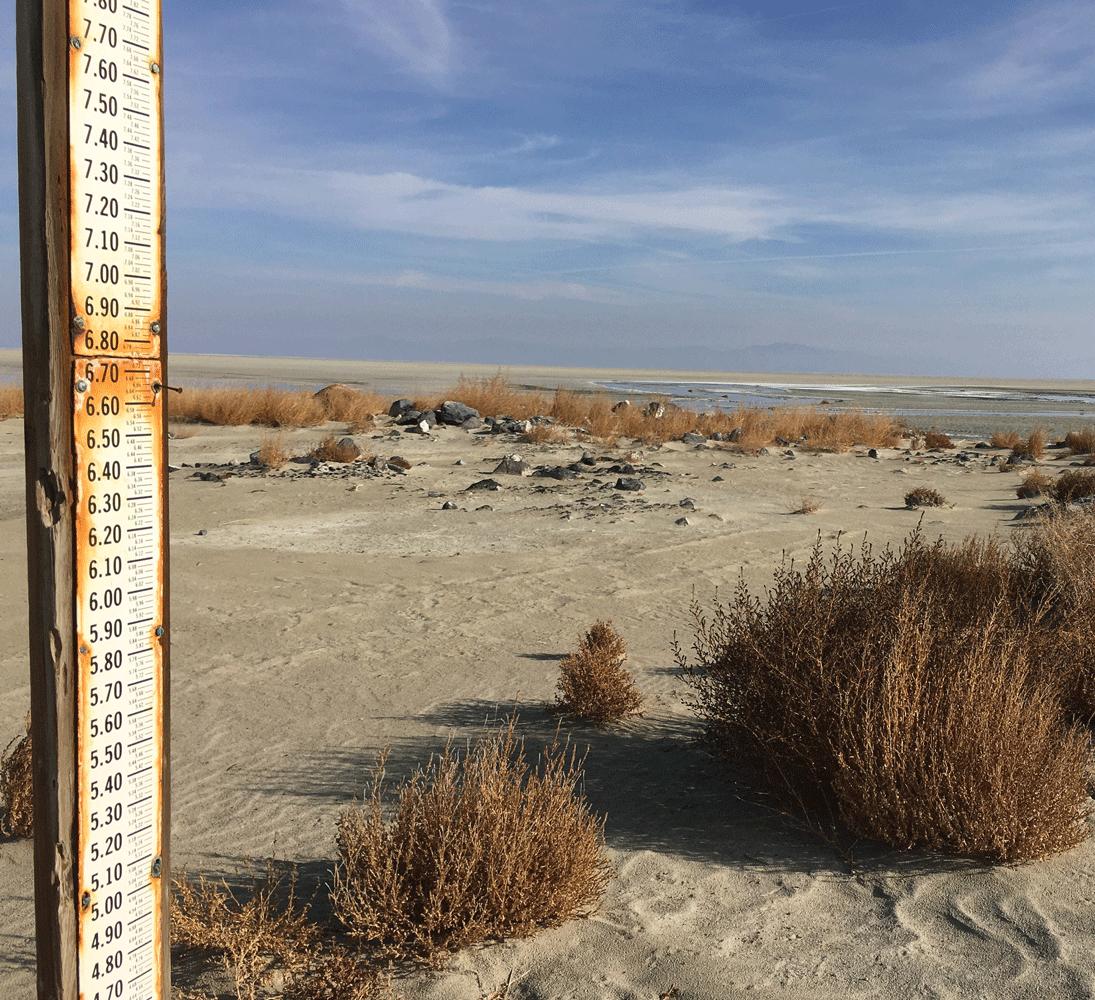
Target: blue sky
652, 182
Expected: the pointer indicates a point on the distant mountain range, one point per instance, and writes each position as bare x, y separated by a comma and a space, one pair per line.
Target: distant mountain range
777, 357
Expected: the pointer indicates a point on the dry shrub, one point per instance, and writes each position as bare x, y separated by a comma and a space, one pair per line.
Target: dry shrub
919, 696
1081, 442
807, 505
11, 401
1034, 445
1035, 484
545, 434
332, 449
924, 496
272, 451
480, 847
17, 786
594, 684
1073, 485
261, 405
491, 397
936, 439
1001, 439
345, 404
259, 933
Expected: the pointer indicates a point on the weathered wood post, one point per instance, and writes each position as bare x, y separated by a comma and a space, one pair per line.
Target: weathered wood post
92, 216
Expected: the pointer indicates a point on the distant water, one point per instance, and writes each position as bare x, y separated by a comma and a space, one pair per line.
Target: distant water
905, 400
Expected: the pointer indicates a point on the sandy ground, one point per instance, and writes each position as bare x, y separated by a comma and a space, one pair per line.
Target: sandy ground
319, 618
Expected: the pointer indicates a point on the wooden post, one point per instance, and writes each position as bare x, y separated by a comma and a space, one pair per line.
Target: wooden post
41, 40
93, 290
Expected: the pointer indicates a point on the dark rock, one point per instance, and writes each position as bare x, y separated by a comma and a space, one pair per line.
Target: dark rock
557, 472
682, 521
765, 452
208, 477
472, 424
734, 435
981, 445
485, 506
409, 417
873, 453
484, 484
588, 459
783, 442
400, 407
452, 412
688, 502
718, 479
717, 436
349, 446
448, 505
691, 438
513, 465
623, 404
1025, 459
789, 453
632, 485
655, 410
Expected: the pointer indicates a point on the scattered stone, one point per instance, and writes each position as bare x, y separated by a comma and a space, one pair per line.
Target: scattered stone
688, 502
256, 458
448, 505
789, 453
459, 461
718, 436
765, 452
485, 506
627, 483
472, 424
202, 531
734, 435
682, 521
400, 407
691, 438
717, 517
208, 477
452, 412
981, 445
783, 442
623, 404
484, 484
513, 465
557, 472
348, 446
718, 479
1025, 459
655, 410
588, 459
873, 453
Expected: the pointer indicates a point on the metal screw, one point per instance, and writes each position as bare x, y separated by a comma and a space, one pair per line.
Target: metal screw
80, 322
81, 386
85, 900
84, 650
157, 866
155, 67
155, 327
159, 630
75, 42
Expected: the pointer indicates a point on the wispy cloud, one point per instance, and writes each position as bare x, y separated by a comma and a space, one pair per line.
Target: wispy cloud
415, 34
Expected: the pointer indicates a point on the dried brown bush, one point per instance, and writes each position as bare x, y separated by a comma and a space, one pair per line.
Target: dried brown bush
545, 434
272, 451
259, 932
1034, 445
332, 449
807, 505
480, 846
1002, 439
1035, 484
1081, 442
924, 496
1073, 485
238, 407
345, 404
936, 439
11, 401
17, 786
594, 684
909, 694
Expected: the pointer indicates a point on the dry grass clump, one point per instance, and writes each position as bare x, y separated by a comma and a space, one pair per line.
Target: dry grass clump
936, 439
480, 846
492, 396
11, 401
594, 684
924, 496
265, 406
1073, 485
919, 696
546, 434
1035, 484
272, 451
807, 505
332, 449
1081, 442
345, 404
17, 787
1004, 439
1034, 445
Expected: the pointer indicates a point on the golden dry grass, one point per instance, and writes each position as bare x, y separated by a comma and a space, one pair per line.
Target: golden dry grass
924, 697
1034, 445
17, 786
11, 401
546, 434
936, 439
805, 505
924, 496
332, 449
1081, 442
594, 684
1004, 439
1072, 484
1034, 484
480, 846
273, 452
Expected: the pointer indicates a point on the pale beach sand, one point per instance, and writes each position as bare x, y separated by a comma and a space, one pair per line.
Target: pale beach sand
314, 624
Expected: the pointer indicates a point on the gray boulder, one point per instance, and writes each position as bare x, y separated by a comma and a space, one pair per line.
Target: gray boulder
691, 438
400, 407
454, 413
513, 465
631, 485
